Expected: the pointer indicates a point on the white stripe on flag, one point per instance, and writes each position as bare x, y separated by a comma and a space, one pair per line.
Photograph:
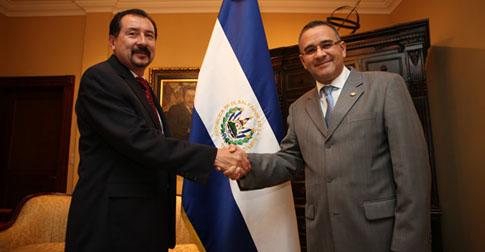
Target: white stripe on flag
221, 81
269, 213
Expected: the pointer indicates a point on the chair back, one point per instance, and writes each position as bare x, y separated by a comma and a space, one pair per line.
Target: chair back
41, 218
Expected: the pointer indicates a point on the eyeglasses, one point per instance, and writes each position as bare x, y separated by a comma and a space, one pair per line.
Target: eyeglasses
324, 45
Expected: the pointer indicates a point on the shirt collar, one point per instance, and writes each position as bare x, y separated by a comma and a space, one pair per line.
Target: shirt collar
337, 82
135, 75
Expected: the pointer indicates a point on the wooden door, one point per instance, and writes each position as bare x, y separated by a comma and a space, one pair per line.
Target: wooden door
35, 122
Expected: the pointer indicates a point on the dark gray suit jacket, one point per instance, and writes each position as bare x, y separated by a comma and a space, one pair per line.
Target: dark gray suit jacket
367, 175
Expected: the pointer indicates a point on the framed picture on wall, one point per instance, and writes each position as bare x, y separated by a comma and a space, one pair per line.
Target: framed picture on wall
175, 87
389, 63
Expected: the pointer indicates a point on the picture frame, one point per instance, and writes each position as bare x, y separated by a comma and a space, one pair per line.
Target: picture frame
394, 63
175, 88
163, 79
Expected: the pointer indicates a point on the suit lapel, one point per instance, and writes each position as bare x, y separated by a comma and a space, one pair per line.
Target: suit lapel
314, 110
141, 96
352, 90
133, 85
163, 118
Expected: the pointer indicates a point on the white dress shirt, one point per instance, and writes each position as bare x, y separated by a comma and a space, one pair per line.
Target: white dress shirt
338, 84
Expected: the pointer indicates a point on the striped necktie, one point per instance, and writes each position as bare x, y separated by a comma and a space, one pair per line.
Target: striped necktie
328, 89
148, 94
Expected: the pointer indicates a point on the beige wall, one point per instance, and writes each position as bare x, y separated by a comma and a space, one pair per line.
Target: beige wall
183, 38
68, 45
43, 46
456, 89
452, 23
95, 39
457, 111
283, 29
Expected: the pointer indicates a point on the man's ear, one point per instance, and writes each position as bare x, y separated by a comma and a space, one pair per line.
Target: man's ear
302, 61
344, 48
112, 42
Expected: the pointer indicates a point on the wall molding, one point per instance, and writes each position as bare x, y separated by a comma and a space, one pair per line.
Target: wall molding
26, 8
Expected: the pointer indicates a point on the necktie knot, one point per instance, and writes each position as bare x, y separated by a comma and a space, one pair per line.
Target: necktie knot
143, 83
328, 89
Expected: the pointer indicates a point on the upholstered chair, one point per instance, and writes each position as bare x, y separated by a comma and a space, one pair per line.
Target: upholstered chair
39, 224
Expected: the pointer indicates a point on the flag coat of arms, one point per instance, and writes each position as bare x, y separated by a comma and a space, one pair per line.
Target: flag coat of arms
236, 103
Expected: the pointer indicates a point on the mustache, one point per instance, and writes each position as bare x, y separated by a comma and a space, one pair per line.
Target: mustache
141, 49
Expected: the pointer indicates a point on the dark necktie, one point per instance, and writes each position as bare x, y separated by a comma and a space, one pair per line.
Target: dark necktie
148, 94
328, 89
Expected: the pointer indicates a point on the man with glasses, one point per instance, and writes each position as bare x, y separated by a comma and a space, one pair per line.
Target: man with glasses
359, 140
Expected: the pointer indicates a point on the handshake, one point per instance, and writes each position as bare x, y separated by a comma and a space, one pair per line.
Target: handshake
232, 161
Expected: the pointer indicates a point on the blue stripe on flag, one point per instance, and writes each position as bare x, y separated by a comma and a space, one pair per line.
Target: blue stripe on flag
242, 24
199, 133
211, 208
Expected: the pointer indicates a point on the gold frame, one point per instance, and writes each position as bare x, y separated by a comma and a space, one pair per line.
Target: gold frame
166, 76
161, 76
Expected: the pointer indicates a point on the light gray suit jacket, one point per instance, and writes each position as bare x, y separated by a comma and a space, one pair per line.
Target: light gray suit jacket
367, 175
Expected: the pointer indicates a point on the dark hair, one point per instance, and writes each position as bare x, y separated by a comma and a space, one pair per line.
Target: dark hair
316, 23
115, 25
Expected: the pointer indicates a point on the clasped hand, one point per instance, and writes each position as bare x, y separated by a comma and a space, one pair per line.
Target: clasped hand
232, 161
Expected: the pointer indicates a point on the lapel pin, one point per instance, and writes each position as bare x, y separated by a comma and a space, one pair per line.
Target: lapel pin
353, 94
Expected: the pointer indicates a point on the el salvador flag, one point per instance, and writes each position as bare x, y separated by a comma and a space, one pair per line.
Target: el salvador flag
236, 103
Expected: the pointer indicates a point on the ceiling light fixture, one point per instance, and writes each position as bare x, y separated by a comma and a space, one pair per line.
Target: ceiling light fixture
346, 22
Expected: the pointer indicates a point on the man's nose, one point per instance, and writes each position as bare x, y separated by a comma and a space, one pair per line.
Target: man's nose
141, 39
320, 52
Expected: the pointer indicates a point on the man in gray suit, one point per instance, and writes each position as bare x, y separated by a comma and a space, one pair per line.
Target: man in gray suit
362, 147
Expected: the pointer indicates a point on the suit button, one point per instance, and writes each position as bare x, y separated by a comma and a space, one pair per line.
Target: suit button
329, 179
328, 145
